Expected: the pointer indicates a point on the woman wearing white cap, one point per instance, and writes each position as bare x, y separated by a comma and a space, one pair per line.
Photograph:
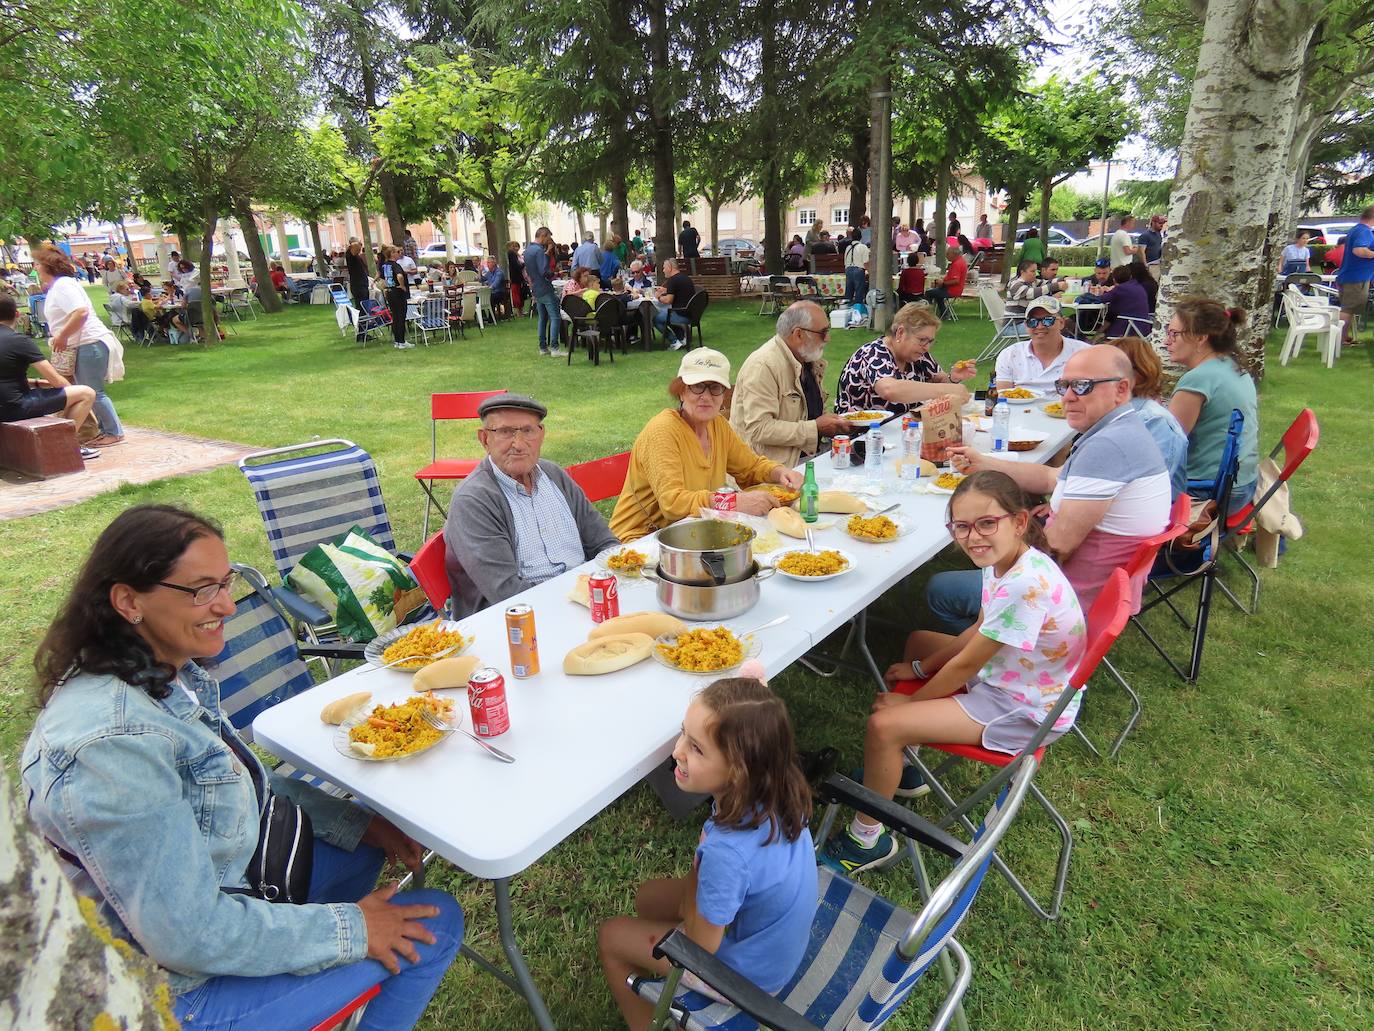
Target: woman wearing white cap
684, 453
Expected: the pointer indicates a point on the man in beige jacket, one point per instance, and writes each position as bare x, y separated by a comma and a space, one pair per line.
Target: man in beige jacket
778, 407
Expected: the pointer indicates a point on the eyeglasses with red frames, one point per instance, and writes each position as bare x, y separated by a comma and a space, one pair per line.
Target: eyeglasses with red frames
985, 526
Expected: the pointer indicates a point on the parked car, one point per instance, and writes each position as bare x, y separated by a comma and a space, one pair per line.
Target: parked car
730, 247
440, 251
1327, 232
1056, 238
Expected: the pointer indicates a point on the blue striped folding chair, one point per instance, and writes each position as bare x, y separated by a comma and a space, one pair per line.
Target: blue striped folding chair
865, 954
314, 493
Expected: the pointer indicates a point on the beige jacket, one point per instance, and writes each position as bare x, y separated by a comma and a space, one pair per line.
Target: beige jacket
768, 409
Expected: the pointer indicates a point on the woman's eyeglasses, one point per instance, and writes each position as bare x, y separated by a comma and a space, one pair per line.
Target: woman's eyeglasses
1081, 387
715, 389
986, 526
206, 593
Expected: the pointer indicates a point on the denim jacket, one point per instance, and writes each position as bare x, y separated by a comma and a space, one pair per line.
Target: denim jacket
161, 814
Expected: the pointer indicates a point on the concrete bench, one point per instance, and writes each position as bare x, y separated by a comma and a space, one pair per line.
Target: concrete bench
40, 447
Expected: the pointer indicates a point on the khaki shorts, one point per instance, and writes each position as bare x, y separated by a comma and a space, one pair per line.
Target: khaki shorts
1354, 297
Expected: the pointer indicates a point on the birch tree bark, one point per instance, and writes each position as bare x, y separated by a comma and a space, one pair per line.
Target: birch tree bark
60, 968
1234, 150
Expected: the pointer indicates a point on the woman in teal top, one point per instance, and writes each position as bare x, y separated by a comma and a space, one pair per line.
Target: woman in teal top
1202, 338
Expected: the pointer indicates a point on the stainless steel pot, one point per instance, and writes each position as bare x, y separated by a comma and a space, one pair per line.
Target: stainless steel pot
709, 601
706, 551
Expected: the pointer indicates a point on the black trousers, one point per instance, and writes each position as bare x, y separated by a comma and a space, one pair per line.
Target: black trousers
396, 301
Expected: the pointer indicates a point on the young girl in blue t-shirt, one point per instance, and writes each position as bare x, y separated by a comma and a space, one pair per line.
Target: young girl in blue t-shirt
751, 895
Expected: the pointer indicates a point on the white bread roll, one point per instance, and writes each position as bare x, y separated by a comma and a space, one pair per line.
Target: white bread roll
341, 708
840, 501
607, 654
455, 671
581, 592
788, 521
655, 624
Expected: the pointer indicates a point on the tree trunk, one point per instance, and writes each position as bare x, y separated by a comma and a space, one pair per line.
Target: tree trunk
880, 258
243, 211
190, 244
129, 248
620, 201
498, 231
1239, 123
1016, 200
207, 298
715, 203
858, 173
601, 226
396, 225
661, 115
771, 69
581, 226
939, 222
1046, 191
58, 965
365, 234
315, 239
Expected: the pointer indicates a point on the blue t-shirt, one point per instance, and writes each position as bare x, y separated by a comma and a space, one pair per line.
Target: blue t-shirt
1355, 269
764, 895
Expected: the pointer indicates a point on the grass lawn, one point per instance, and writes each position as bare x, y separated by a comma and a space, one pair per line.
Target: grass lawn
1221, 866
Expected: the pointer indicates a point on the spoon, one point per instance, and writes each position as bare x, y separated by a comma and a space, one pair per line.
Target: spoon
423, 658
810, 541
890, 508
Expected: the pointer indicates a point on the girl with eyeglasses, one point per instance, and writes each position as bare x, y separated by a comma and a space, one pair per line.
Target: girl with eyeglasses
993, 684
683, 454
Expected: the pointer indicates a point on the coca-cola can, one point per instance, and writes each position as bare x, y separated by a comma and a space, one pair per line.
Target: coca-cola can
724, 499
605, 596
487, 702
841, 451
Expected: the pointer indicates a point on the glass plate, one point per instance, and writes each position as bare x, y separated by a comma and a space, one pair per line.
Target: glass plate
1038, 396
649, 551
904, 527
751, 643
344, 745
848, 558
373, 652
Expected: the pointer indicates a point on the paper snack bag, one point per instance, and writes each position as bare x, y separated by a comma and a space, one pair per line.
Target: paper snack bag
941, 429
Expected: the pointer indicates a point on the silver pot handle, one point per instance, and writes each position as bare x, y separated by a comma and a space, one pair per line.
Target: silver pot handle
765, 572
649, 574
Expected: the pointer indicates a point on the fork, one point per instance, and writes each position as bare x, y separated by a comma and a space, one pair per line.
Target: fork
434, 721
423, 658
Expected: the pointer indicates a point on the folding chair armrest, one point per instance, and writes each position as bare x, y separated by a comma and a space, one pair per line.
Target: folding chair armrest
682, 952
330, 651
1201, 485
839, 788
298, 607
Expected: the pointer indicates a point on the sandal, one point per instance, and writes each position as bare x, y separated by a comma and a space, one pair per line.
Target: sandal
105, 440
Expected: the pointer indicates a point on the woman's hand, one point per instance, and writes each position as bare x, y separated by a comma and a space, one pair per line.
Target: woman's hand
58, 346
962, 371
391, 928
755, 502
395, 844
959, 395
789, 478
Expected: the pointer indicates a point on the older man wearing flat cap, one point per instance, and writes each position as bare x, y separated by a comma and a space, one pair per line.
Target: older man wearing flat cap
517, 520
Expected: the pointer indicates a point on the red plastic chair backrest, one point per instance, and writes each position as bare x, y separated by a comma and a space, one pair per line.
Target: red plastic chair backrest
428, 568
1106, 619
1299, 441
1144, 558
601, 478
458, 406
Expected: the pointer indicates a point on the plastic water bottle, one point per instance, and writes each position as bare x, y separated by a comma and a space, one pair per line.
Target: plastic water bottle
1001, 425
911, 449
873, 453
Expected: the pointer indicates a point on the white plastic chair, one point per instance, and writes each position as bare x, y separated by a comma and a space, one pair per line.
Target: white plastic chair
1310, 316
1008, 326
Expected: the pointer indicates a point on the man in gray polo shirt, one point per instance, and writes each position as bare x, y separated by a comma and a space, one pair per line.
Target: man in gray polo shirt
1111, 494
517, 520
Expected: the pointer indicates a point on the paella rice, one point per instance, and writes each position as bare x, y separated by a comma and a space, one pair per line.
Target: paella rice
704, 650
423, 641
809, 563
948, 481
786, 495
1017, 394
394, 730
872, 528
627, 561
1055, 408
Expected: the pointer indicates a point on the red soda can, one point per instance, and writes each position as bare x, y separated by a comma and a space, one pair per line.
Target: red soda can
524, 646
723, 499
487, 702
605, 596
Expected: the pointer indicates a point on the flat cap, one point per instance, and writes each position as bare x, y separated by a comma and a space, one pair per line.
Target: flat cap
518, 401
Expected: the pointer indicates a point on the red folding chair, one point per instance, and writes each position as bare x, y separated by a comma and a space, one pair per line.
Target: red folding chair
1106, 620
446, 408
1297, 442
601, 478
1137, 569
345, 1016
430, 574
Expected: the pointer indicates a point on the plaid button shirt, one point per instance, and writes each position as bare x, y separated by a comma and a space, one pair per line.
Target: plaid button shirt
546, 539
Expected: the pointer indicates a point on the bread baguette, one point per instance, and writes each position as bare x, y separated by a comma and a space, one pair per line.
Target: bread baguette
788, 521
581, 592
341, 708
607, 654
655, 624
840, 501
454, 671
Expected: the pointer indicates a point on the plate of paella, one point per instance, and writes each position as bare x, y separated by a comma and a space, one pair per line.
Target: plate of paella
387, 733
707, 650
944, 483
878, 529
418, 640
628, 561
826, 564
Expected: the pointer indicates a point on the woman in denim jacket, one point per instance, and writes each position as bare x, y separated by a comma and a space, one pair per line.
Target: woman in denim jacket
135, 775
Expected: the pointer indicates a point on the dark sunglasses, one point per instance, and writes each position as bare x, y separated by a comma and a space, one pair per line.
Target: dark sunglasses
1081, 387
1047, 322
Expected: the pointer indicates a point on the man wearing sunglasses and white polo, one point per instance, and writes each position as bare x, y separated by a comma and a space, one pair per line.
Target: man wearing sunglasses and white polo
1111, 494
1035, 363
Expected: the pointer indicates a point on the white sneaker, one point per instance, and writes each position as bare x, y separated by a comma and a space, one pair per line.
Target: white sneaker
677, 346
555, 353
